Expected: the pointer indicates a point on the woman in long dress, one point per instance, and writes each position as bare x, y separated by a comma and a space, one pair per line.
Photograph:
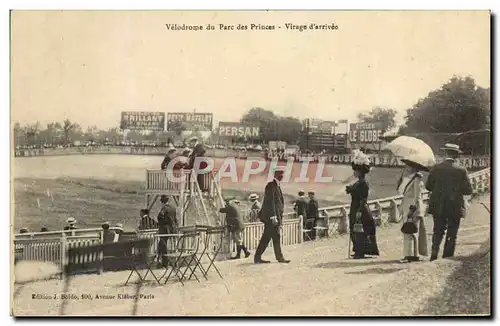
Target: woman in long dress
411, 186
364, 241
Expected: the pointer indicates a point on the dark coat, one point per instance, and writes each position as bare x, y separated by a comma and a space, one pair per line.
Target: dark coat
448, 183
312, 208
301, 207
233, 217
273, 203
167, 220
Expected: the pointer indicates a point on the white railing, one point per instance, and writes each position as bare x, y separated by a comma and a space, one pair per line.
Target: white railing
164, 182
291, 233
52, 246
51, 249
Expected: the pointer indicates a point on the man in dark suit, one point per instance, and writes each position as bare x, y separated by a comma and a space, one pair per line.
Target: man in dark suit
235, 224
300, 206
167, 224
313, 211
448, 184
271, 215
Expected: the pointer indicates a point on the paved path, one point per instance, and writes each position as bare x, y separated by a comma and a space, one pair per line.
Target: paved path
319, 281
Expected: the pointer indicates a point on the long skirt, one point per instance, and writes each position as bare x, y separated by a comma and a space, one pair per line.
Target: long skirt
364, 243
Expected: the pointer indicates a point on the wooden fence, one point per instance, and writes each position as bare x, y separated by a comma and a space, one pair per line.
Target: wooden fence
52, 246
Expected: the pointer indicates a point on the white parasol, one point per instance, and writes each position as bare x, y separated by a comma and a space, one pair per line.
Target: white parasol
413, 151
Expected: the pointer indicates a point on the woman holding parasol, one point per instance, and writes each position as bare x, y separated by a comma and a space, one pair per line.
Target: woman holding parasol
417, 157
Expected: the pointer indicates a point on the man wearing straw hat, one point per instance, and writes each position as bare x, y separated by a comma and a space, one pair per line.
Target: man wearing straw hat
448, 183
71, 224
271, 215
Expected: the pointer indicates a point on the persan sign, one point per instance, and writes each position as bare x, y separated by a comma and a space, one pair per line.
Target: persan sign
133, 120
365, 132
191, 121
236, 130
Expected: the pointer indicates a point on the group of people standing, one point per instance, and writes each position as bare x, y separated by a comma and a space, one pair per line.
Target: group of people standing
308, 208
448, 184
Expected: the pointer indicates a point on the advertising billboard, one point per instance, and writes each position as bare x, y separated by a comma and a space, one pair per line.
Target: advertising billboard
140, 120
189, 121
237, 130
365, 132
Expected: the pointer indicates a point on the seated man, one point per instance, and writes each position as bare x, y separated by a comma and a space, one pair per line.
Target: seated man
71, 224
146, 222
108, 236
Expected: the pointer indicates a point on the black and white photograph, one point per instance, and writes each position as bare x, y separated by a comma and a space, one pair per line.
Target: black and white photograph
250, 163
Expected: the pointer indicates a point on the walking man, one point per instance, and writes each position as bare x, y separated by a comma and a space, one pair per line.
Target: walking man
448, 184
236, 226
271, 215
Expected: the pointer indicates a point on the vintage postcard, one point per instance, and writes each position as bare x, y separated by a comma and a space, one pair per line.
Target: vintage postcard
250, 163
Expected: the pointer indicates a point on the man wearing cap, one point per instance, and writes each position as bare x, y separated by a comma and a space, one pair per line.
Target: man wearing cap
168, 157
300, 207
313, 211
448, 183
271, 215
235, 225
71, 224
255, 208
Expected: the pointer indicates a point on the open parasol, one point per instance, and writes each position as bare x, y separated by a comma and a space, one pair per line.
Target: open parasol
413, 152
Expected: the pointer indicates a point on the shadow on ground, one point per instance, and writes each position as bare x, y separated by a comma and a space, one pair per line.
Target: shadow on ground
356, 263
376, 270
467, 290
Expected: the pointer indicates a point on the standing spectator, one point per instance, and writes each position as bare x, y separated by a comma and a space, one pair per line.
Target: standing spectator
313, 211
236, 226
271, 215
255, 208
300, 206
167, 224
448, 183
23, 230
44, 229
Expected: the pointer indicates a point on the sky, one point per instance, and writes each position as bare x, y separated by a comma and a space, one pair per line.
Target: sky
89, 66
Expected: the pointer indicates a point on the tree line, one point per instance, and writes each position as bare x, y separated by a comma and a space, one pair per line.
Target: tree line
459, 105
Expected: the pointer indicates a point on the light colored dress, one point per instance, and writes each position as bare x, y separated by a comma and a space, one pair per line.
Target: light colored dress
411, 188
